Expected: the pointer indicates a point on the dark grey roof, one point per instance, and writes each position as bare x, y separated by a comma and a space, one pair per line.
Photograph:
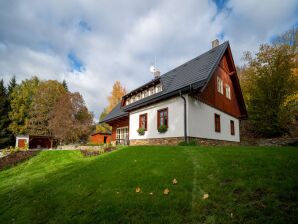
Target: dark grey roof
117, 112
195, 73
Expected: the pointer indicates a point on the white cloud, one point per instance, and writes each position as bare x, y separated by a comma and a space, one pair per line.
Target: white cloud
123, 37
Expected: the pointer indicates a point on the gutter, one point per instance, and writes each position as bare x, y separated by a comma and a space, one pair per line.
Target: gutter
185, 118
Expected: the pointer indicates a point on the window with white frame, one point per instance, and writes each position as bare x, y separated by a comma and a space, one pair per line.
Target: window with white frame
145, 93
219, 85
122, 133
228, 91
158, 88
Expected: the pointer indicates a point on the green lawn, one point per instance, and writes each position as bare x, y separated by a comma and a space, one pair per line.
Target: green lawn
245, 185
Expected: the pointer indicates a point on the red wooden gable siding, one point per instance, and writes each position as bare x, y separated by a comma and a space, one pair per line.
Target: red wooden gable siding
212, 97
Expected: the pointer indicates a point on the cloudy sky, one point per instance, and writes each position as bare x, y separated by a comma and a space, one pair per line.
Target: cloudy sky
93, 43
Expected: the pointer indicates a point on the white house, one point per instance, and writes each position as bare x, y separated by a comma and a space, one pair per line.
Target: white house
201, 99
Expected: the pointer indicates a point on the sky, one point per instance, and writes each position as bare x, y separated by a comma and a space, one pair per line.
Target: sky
93, 43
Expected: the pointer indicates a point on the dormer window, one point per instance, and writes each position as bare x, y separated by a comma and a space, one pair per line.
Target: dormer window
139, 96
152, 91
158, 88
149, 91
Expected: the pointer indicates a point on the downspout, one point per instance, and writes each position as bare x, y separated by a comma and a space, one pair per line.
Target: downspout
185, 119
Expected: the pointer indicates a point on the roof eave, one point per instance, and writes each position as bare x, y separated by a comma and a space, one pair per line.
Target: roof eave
184, 90
114, 118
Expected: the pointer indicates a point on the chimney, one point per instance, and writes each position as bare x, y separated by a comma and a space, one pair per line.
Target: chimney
215, 43
156, 73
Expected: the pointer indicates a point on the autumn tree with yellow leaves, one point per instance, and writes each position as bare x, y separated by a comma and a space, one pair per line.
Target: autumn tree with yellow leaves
269, 83
118, 91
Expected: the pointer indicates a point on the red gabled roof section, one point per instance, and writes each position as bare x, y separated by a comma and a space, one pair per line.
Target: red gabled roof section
226, 70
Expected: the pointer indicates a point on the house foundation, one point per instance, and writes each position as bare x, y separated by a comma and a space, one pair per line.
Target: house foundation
177, 140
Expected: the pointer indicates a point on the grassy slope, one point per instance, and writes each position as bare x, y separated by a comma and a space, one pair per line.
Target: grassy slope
245, 185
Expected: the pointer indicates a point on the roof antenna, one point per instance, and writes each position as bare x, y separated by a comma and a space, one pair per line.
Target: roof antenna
154, 70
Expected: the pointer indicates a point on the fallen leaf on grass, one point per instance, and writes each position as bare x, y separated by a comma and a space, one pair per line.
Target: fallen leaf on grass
175, 181
138, 190
205, 196
166, 191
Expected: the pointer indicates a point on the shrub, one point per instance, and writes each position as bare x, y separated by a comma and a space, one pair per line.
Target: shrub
141, 131
162, 128
109, 149
5, 152
13, 150
26, 147
188, 143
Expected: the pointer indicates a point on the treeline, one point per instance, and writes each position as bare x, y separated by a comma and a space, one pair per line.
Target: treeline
38, 107
269, 81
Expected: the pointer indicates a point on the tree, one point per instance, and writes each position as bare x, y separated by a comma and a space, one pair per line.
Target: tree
8, 137
5, 135
64, 83
103, 127
270, 85
20, 102
70, 121
117, 93
289, 38
12, 84
43, 101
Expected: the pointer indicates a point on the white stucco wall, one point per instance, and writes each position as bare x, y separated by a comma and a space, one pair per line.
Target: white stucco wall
25, 137
176, 124
201, 122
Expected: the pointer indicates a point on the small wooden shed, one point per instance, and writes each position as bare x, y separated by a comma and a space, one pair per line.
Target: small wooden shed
34, 141
101, 138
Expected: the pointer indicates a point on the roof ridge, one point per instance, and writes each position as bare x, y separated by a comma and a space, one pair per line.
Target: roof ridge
176, 68
212, 49
197, 73
215, 64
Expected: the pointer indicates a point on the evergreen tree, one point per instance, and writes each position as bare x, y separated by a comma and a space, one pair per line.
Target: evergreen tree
5, 136
12, 84
21, 102
64, 83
